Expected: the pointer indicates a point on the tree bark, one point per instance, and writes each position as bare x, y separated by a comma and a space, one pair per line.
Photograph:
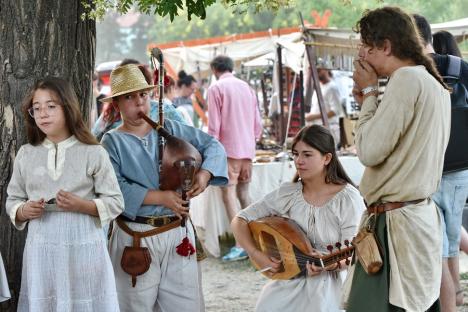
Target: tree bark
38, 38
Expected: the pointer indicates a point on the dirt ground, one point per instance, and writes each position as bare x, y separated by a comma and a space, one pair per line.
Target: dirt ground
230, 287
235, 286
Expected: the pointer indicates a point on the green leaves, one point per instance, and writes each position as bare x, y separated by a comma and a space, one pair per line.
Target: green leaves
96, 9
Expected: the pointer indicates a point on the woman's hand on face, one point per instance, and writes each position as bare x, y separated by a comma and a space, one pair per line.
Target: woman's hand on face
364, 75
31, 210
174, 201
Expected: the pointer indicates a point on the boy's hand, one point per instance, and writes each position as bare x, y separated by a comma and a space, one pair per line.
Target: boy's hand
200, 182
174, 201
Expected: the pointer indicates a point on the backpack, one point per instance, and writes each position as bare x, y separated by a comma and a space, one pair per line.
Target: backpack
456, 154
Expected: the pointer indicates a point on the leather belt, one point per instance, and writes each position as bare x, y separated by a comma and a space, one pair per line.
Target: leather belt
152, 232
384, 207
153, 221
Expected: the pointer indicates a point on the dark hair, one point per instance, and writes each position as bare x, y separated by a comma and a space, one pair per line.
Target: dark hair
445, 43
184, 79
144, 68
127, 61
321, 139
394, 25
424, 28
68, 100
222, 64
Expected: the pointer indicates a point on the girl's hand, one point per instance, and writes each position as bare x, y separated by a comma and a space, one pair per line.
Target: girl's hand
174, 201
200, 182
264, 261
69, 201
30, 210
313, 270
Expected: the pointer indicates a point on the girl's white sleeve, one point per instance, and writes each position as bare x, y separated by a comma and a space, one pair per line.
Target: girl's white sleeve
16, 191
109, 200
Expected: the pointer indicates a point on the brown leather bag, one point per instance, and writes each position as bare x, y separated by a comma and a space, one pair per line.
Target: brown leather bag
368, 251
136, 260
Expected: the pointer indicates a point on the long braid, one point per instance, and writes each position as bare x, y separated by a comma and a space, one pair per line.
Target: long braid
426, 61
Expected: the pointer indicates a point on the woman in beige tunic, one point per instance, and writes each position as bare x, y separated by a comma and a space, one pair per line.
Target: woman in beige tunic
325, 205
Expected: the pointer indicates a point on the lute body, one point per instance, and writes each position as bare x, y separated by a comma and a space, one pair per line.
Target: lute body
283, 239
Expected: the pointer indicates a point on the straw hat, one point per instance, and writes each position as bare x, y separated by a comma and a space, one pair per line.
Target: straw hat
127, 79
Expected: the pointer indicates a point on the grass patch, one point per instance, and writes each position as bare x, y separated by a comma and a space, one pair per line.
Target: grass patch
464, 276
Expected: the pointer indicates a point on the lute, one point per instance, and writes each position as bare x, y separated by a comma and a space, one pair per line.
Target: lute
283, 239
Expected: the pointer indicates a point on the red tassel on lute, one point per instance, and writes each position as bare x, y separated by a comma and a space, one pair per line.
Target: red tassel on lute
185, 248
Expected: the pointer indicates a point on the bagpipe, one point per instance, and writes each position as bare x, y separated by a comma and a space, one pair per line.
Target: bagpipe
179, 161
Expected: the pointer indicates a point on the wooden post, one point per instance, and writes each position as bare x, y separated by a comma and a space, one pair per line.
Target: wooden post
282, 121
301, 90
313, 68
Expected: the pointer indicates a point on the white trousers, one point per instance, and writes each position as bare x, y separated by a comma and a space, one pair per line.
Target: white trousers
172, 283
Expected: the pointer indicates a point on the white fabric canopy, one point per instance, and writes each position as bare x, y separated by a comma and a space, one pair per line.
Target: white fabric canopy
458, 28
337, 46
198, 58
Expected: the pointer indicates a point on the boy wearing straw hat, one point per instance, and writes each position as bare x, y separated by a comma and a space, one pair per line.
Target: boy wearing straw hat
170, 281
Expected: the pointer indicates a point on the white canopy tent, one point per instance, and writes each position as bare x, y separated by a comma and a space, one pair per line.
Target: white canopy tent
458, 28
197, 59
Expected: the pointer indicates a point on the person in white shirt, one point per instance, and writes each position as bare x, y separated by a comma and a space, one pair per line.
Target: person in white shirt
332, 101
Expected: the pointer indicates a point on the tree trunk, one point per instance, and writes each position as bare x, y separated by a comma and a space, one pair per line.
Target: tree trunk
38, 38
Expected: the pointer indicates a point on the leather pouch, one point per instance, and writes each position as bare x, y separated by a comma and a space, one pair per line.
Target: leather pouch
368, 251
135, 261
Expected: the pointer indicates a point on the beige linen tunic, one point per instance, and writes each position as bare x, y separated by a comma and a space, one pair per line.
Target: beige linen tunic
335, 221
402, 142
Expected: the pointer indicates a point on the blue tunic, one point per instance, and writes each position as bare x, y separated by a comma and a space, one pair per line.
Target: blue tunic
135, 162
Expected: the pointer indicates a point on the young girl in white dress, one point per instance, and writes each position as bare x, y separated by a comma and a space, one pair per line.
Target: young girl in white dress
327, 207
64, 186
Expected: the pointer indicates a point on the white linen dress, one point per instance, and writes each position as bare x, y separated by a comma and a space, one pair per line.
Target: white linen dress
335, 221
66, 265
4, 289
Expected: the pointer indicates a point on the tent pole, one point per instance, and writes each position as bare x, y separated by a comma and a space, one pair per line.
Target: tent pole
313, 68
282, 124
301, 94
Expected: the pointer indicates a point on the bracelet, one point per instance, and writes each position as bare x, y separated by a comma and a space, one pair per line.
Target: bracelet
369, 89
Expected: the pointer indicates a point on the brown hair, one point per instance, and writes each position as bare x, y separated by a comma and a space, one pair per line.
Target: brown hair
109, 114
394, 25
68, 100
321, 139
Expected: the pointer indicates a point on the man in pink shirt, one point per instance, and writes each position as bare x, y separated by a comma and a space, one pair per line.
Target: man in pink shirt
235, 121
